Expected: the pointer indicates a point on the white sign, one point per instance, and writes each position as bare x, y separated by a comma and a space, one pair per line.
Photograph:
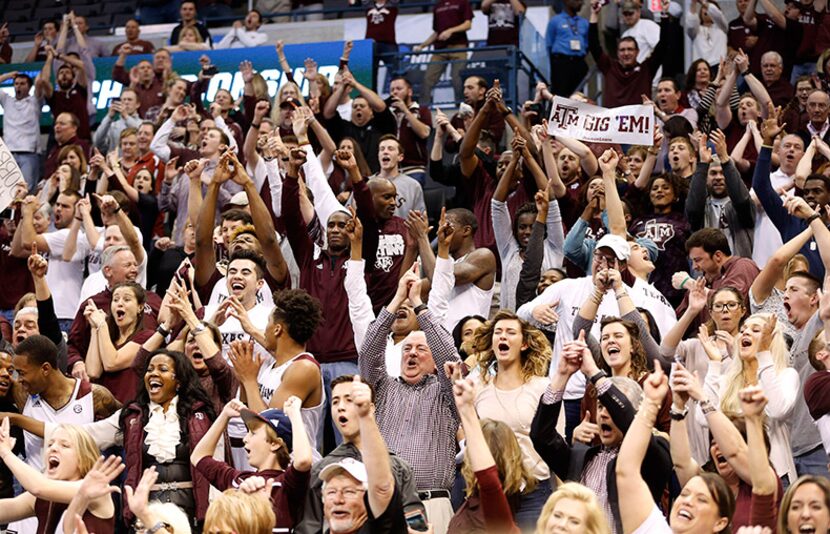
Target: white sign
10, 176
626, 125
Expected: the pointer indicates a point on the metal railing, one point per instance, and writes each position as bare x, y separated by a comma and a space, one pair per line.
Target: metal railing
517, 75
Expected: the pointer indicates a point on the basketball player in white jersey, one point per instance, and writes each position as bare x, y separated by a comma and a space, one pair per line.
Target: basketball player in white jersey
47, 395
475, 269
288, 370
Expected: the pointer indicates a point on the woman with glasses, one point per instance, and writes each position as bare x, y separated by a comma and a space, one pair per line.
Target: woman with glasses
726, 312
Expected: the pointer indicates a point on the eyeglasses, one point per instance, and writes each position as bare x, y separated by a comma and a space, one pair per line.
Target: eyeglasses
729, 306
347, 493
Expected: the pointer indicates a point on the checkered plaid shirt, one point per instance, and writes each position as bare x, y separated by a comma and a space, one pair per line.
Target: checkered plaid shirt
418, 422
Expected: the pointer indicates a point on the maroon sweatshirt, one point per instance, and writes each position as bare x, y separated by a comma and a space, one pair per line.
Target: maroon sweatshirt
623, 86
323, 278
384, 248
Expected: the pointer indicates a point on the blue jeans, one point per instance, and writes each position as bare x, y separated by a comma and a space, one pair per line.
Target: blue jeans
330, 372
804, 69
29, 163
813, 462
65, 325
530, 506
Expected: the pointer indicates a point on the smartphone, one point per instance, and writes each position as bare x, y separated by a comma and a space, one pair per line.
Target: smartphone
417, 520
210, 70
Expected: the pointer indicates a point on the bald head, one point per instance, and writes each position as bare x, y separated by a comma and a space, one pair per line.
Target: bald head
385, 197
818, 105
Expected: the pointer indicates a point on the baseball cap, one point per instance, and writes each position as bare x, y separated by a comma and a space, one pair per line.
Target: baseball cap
353, 467
616, 243
628, 5
239, 199
272, 417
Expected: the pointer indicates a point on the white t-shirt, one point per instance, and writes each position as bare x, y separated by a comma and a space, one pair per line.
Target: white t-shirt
231, 329
647, 34
655, 523
572, 293
65, 278
766, 238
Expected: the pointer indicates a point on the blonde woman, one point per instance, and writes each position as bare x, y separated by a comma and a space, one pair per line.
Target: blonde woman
763, 359
572, 509
513, 359
235, 511
68, 456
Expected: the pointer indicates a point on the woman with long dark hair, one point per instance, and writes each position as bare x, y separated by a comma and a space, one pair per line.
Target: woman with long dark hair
161, 427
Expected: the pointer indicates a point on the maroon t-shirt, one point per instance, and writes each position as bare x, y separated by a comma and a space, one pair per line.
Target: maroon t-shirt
810, 21
72, 100
148, 97
287, 495
17, 281
737, 33
51, 164
780, 91
414, 148
384, 247
502, 24
380, 23
448, 14
480, 187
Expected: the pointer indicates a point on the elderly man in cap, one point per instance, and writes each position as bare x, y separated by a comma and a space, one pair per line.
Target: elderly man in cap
557, 307
278, 448
362, 496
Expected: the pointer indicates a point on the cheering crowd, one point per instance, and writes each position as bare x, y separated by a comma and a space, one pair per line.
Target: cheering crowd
247, 315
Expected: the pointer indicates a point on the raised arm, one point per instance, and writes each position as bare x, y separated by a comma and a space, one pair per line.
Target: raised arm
375, 454
205, 221
635, 501
207, 445
681, 452
749, 15
765, 281
265, 232
587, 159
762, 476
697, 302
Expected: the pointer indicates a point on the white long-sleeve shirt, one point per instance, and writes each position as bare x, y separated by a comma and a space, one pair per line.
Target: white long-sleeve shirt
782, 388
510, 254
241, 38
708, 42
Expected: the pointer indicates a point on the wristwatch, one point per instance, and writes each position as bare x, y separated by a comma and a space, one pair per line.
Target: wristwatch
600, 374
162, 330
678, 415
155, 528
419, 308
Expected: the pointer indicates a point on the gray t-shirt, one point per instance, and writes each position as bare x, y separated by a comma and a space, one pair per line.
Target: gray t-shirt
804, 435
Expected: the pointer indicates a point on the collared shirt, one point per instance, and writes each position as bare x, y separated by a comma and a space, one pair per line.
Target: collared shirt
595, 477
418, 422
21, 122
813, 131
564, 32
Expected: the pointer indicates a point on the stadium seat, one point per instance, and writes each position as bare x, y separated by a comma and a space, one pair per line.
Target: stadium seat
119, 7
18, 14
88, 11
23, 31
100, 24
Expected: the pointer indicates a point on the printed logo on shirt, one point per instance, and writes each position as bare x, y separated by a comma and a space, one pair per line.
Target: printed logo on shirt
377, 15
389, 247
230, 337
77, 408
266, 393
501, 16
660, 233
